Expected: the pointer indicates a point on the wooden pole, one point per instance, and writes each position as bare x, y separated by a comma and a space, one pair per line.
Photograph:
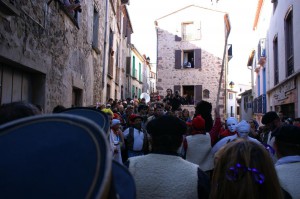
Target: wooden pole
228, 28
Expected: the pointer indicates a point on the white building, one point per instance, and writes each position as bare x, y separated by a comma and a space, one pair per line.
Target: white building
283, 62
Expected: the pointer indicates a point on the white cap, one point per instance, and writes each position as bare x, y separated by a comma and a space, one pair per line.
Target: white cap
115, 122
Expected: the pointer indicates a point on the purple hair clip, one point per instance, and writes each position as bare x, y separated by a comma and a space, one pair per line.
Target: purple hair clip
238, 171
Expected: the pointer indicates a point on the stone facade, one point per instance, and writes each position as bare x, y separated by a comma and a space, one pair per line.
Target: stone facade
49, 57
205, 44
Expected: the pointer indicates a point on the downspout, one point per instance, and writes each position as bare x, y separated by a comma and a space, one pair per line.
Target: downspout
104, 48
227, 23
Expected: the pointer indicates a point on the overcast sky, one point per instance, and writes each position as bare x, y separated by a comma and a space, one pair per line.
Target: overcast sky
143, 13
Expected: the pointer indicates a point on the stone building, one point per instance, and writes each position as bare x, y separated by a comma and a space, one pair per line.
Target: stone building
191, 45
53, 52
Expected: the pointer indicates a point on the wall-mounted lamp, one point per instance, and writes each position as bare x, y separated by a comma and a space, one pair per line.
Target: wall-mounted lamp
231, 84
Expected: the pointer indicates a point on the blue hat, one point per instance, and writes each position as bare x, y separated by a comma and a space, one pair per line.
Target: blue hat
93, 114
58, 156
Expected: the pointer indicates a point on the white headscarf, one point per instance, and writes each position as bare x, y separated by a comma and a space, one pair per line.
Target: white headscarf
243, 128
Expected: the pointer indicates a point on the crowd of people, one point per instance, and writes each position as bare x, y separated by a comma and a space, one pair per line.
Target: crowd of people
172, 154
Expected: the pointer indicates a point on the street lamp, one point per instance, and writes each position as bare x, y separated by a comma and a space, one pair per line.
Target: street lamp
231, 84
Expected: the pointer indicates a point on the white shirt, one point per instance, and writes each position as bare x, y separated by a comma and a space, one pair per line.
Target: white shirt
138, 138
115, 146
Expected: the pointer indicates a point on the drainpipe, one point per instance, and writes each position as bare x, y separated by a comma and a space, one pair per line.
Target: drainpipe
104, 48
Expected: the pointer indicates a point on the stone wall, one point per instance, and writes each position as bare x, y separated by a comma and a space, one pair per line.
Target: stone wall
211, 45
45, 41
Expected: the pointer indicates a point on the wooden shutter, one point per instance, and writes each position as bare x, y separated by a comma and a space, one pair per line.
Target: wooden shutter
198, 93
124, 27
177, 88
197, 58
128, 64
128, 36
197, 27
177, 38
177, 59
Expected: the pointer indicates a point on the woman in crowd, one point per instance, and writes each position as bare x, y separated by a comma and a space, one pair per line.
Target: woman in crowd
245, 170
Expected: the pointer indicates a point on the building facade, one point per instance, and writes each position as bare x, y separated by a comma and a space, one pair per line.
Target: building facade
258, 58
137, 70
55, 52
274, 63
190, 54
283, 46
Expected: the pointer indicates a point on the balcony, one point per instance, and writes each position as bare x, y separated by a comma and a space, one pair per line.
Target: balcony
259, 104
261, 52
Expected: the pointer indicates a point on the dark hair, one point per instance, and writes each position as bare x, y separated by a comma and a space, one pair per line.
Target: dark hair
204, 108
245, 184
166, 132
16, 110
287, 140
269, 117
58, 109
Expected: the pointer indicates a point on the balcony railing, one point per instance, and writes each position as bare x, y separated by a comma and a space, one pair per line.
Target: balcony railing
259, 104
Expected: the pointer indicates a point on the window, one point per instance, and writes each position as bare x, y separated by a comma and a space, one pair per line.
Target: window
188, 58
72, 8
258, 85
20, 85
107, 92
191, 94
264, 81
132, 91
95, 31
140, 92
133, 66
289, 43
206, 94
275, 51
191, 31
76, 97
187, 31
122, 92
111, 54
140, 72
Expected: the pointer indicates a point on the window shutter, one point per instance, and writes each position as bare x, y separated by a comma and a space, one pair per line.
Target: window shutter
177, 59
198, 93
197, 33
125, 27
128, 36
197, 54
177, 88
128, 64
177, 38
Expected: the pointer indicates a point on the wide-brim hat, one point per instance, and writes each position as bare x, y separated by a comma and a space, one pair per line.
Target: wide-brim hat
59, 156
97, 116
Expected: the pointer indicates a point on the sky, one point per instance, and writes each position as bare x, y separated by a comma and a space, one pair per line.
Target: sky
143, 13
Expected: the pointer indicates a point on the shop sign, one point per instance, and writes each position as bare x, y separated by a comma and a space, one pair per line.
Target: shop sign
282, 91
